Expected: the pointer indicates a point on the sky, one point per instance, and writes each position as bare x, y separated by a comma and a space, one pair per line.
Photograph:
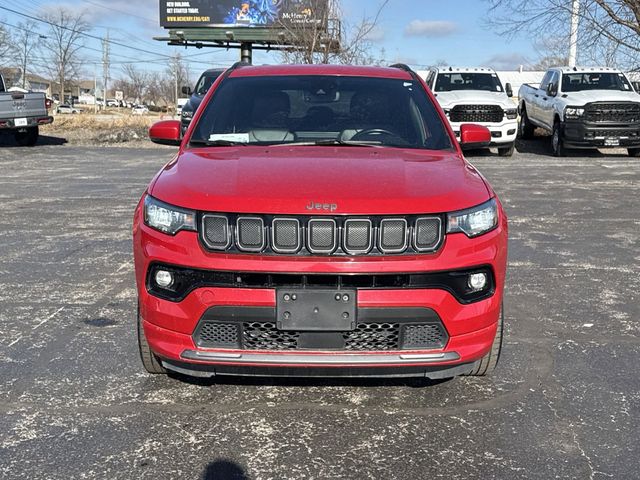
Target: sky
419, 33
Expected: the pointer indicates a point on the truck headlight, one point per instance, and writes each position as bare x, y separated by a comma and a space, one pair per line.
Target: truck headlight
573, 112
167, 218
511, 113
474, 221
447, 111
187, 115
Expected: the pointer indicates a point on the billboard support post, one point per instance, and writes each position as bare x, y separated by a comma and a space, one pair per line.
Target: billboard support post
246, 52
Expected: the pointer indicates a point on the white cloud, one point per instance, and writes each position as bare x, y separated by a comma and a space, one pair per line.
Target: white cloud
506, 61
430, 28
377, 34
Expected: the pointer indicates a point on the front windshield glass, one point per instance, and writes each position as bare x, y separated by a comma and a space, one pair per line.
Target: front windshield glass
448, 82
205, 82
576, 82
312, 109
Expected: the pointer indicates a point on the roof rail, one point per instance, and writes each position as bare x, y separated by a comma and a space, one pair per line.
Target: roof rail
237, 65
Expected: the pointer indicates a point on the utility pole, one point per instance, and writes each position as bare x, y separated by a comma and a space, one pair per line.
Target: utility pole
105, 67
573, 38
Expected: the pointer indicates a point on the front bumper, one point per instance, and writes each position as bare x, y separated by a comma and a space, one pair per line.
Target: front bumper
170, 325
502, 134
581, 134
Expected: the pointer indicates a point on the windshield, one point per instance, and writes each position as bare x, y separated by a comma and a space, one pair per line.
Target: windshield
448, 82
314, 109
205, 82
576, 82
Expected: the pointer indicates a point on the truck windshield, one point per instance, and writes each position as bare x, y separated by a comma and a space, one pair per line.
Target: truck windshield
576, 82
205, 82
448, 82
321, 110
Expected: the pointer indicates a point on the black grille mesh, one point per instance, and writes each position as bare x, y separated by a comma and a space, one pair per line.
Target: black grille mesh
393, 234
476, 113
216, 231
427, 232
250, 233
265, 336
218, 335
322, 235
357, 235
286, 234
423, 336
367, 336
373, 336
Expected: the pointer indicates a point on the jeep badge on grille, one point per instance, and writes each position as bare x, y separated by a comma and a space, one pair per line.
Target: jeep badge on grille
330, 207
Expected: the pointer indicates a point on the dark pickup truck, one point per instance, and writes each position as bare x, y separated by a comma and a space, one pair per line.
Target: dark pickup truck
22, 113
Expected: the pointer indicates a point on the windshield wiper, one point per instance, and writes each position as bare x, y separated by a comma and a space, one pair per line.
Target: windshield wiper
330, 143
217, 143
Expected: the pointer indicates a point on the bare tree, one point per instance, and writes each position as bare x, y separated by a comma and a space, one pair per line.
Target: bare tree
64, 42
176, 76
135, 82
6, 46
26, 43
329, 40
609, 30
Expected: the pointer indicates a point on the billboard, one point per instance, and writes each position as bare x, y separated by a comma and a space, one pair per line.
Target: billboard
242, 13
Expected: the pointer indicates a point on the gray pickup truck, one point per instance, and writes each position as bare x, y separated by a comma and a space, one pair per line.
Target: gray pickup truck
21, 114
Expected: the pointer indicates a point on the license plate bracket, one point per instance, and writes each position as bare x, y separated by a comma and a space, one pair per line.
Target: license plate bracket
611, 142
20, 122
316, 310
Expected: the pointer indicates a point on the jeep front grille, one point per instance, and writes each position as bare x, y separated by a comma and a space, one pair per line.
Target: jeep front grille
268, 234
477, 113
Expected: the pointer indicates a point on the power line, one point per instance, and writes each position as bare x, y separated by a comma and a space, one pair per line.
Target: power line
154, 22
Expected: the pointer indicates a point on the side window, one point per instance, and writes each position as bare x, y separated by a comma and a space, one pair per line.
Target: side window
555, 79
430, 78
545, 80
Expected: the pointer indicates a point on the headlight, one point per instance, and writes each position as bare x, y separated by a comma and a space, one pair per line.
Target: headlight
447, 111
167, 218
474, 221
511, 113
187, 114
573, 112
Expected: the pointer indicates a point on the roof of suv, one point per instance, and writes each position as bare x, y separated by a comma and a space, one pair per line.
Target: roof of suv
346, 70
464, 69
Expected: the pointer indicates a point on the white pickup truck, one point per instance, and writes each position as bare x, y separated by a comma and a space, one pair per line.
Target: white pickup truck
22, 113
582, 108
476, 95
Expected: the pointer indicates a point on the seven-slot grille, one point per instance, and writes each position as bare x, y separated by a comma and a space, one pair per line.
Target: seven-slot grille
321, 235
612, 112
476, 113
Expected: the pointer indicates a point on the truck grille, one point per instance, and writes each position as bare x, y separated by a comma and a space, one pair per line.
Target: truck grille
321, 235
366, 336
622, 112
477, 113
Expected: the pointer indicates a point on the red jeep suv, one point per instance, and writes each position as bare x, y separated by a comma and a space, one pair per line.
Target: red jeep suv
319, 220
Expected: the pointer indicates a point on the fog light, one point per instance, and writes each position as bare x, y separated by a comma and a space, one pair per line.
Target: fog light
477, 281
164, 279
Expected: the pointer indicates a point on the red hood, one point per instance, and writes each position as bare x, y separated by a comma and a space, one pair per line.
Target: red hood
286, 179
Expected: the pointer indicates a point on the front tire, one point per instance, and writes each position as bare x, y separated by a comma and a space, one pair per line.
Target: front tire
557, 140
28, 138
487, 364
633, 152
506, 151
150, 360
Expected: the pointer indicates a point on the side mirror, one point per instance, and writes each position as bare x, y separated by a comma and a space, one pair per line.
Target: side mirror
186, 90
474, 136
166, 132
509, 89
551, 90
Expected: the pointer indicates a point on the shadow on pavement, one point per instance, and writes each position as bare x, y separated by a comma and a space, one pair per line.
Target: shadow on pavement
413, 382
7, 140
224, 469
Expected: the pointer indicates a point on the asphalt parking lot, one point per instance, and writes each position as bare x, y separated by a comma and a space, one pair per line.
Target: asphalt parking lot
76, 403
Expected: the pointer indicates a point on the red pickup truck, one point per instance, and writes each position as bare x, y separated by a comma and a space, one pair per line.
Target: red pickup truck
320, 220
